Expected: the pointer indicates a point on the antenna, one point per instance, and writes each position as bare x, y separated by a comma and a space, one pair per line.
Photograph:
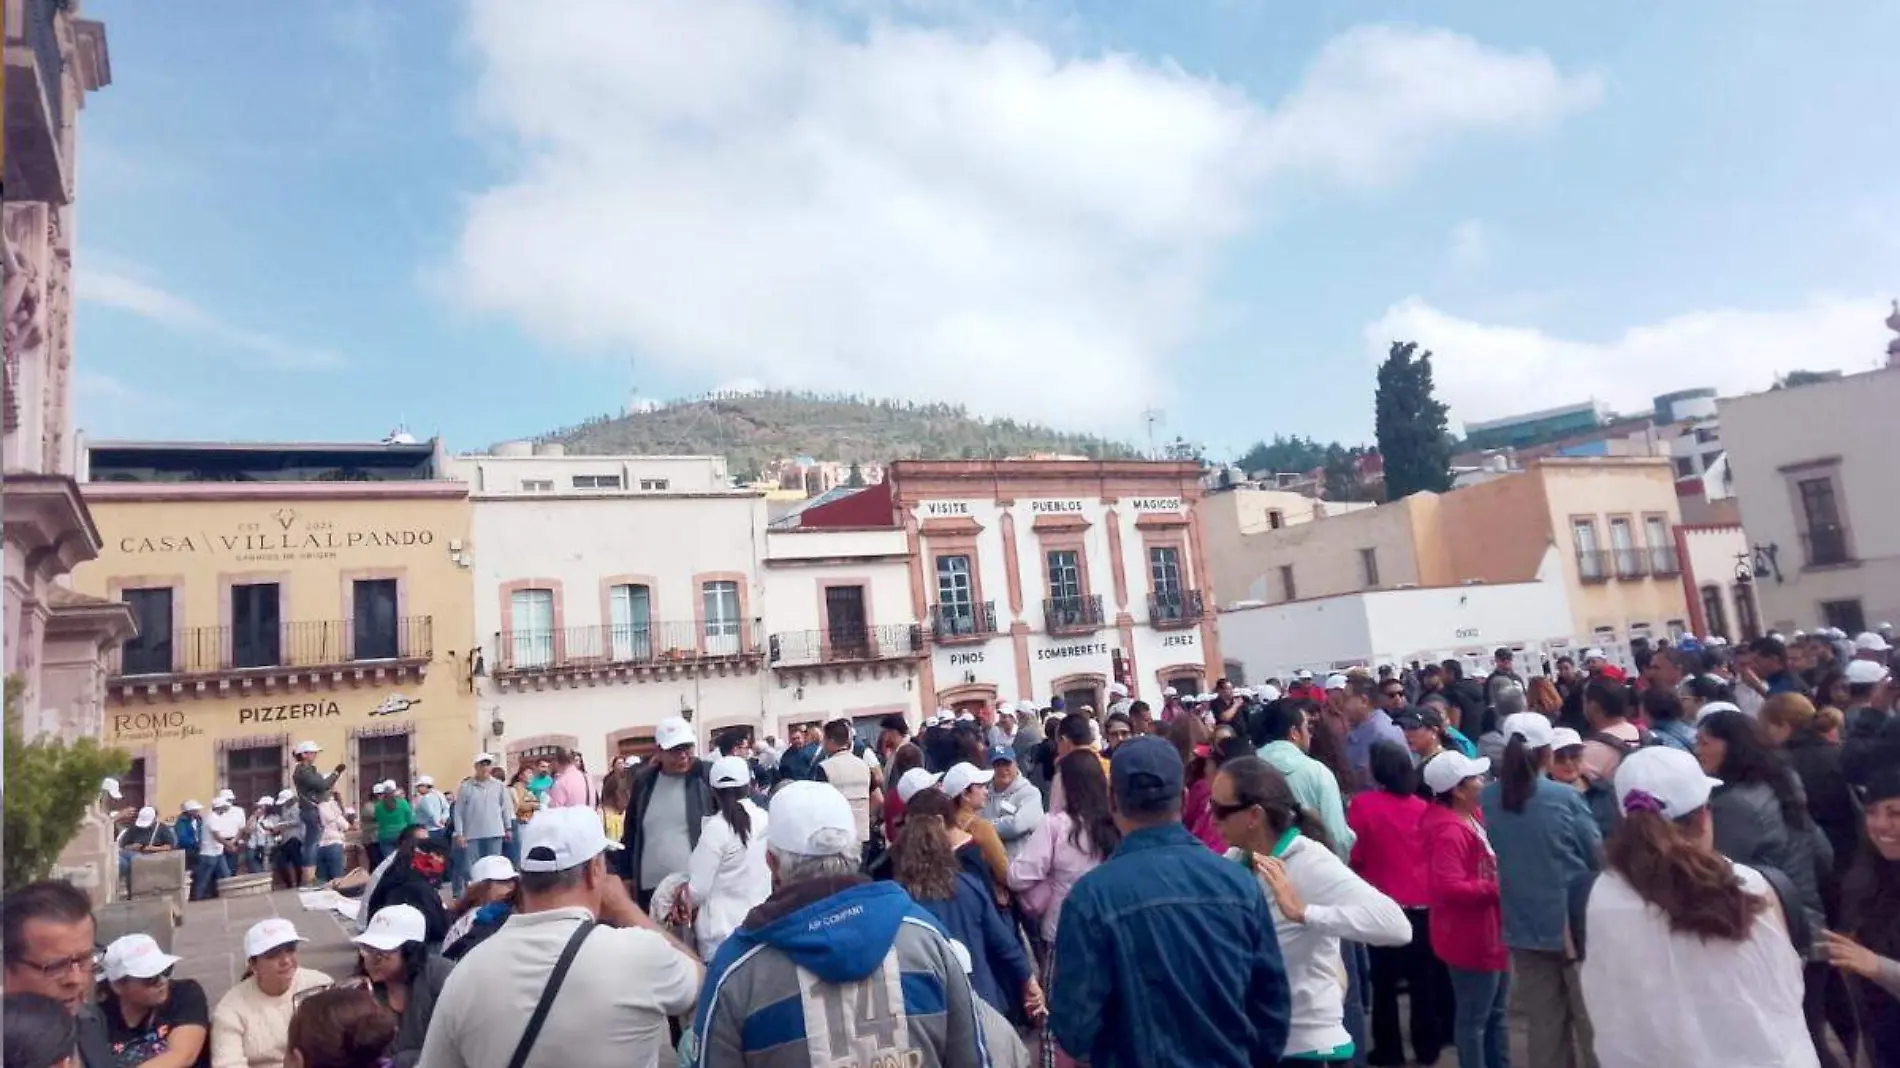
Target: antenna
1153, 417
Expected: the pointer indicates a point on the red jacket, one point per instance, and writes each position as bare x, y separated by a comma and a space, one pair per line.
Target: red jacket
1387, 850
1462, 883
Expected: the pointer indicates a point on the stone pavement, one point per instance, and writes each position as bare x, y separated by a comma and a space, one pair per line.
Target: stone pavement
211, 940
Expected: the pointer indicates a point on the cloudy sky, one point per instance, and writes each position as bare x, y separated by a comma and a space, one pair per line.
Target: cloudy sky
492, 218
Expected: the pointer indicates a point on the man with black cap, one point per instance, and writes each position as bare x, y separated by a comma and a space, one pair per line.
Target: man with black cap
1166, 913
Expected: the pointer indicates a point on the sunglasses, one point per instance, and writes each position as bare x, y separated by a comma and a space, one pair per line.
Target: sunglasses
153, 981
1223, 811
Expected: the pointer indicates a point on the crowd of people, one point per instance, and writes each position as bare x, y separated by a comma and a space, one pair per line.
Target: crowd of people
1695, 863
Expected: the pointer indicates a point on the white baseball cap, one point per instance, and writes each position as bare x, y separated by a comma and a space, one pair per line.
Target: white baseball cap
561, 838
1335, 681
1269, 693
425, 780
192, 806
1865, 673
266, 935
137, 956
1450, 768
1713, 707
1117, 689
485, 758
1671, 778
221, 801
961, 777
1534, 726
1593, 654
225, 793
965, 717
1169, 691
267, 801
1303, 675
915, 781
492, 869
730, 771
1870, 642
111, 787
383, 787
811, 819
673, 732
147, 817
306, 748
392, 926
287, 796
1564, 738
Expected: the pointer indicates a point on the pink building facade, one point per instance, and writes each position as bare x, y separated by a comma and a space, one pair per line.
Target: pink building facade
55, 639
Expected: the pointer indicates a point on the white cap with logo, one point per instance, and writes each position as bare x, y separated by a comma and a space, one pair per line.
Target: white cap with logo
811, 819
914, 782
1449, 768
1666, 781
266, 935
492, 869
392, 926
731, 771
137, 956
961, 777
146, 818
673, 732
561, 838
1533, 726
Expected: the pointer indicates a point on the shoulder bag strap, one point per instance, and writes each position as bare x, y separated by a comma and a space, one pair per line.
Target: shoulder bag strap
541, 1008
1800, 931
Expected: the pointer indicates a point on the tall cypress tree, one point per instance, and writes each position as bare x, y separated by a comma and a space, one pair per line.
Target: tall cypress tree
1410, 424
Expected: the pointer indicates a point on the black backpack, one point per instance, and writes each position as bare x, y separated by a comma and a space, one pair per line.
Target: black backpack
1600, 794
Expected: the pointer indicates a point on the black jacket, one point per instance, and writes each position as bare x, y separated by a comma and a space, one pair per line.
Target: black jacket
1817, 762
404, 885
413, 1027
699, 805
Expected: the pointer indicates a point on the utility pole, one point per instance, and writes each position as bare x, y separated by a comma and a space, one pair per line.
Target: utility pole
1153, 417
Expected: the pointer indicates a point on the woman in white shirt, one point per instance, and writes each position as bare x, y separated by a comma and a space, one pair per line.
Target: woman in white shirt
1316, 901
727, 876
251, 1026
1687, 958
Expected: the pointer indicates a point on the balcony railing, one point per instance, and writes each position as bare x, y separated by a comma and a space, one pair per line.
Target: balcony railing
217, 650
674, 642
1073, 614
1175, 608
1826, 545
951, 622
845, 645
1593, 565
1662, 560
1629, 563
35, 105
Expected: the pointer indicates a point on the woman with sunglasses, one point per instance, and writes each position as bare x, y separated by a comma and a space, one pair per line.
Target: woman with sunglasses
151, 1018
251, 1026
404, 975
1315, 898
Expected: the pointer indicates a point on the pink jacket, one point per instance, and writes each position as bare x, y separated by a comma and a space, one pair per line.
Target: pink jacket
1462, 878
1197, 813
570, 790
1385, 851
1046, 868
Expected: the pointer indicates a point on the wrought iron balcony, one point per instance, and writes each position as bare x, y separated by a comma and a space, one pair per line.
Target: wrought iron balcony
209, 651
1663, 561
1826, 545
1175, 608
521, 652
1629, 563
1593, 565
35, 104
845, 645
1073, 615
962, 622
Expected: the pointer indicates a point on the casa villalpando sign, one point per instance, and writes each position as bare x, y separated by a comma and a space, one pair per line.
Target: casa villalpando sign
282, 536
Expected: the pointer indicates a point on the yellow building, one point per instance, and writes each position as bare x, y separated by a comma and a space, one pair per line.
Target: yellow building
273, 612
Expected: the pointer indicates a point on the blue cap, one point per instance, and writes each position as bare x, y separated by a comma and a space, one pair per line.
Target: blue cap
1001, 753
1145, 774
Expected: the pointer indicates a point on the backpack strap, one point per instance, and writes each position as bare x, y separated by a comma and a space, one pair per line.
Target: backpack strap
541, 1008
1800, 931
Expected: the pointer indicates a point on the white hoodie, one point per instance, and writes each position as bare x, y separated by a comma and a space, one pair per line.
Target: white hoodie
727, 878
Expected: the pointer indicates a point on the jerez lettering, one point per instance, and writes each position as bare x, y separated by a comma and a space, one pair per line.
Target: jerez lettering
1070, 652
280, 713
1179, 640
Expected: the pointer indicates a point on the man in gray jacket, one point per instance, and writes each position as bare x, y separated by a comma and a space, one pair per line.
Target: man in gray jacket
881, 973
1015, 805
482, 812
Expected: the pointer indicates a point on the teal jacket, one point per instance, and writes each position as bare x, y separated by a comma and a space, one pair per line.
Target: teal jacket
1315, 788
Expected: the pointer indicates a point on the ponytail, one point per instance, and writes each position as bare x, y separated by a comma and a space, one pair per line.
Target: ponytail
1695, 888
729, 803
1518, 776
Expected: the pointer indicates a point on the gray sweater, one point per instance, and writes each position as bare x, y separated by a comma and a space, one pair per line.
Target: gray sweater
482, 808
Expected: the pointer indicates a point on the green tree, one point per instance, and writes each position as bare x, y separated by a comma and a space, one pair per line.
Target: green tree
1342, 474
855, 478
1284, 454
1410, 424
49, 786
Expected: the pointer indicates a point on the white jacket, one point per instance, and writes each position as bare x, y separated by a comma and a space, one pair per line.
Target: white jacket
1339, 904
727, 878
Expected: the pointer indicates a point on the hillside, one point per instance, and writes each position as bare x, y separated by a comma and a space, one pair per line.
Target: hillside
754, 429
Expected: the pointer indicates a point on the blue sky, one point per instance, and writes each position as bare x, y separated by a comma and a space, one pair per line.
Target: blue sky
489, 219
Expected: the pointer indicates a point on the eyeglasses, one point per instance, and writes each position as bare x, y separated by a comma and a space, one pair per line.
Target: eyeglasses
372, 953
57, 969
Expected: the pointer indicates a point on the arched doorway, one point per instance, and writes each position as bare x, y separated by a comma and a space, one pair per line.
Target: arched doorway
1185, 678
967, 698
1077, 691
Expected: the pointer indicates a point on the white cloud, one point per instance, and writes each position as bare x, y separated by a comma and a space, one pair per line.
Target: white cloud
113, 288
741, 190
1486, 371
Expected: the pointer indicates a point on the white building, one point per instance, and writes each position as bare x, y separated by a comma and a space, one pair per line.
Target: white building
1718, 577
1401, 627
1814, 469
1037, 578
611, 593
